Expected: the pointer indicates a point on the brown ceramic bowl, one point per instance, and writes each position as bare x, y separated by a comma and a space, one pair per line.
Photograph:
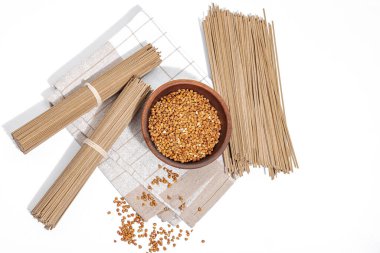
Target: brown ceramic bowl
215, 100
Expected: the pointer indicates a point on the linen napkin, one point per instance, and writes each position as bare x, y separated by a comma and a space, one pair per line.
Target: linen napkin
131, 166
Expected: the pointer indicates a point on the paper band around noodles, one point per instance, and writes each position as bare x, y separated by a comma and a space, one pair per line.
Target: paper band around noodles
95, 146
95, 92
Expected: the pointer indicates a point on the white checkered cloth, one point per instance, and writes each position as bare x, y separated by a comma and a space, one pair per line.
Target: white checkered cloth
130, 166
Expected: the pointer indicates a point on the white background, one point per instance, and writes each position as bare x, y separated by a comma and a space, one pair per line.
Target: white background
329, 57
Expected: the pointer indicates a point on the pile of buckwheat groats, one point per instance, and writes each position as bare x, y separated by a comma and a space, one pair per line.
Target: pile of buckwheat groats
133, 229
184, 126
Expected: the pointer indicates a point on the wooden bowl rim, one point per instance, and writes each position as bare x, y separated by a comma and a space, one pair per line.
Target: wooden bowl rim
190, 165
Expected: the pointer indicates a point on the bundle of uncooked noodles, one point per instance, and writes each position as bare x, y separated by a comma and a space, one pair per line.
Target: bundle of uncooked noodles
84, 99
244, 65
54, 203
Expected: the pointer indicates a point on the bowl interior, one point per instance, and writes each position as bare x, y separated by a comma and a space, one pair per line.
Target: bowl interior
215, 100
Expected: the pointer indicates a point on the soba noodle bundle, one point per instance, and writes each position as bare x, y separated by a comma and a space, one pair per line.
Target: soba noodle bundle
57, 199
244, 67
84, 99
